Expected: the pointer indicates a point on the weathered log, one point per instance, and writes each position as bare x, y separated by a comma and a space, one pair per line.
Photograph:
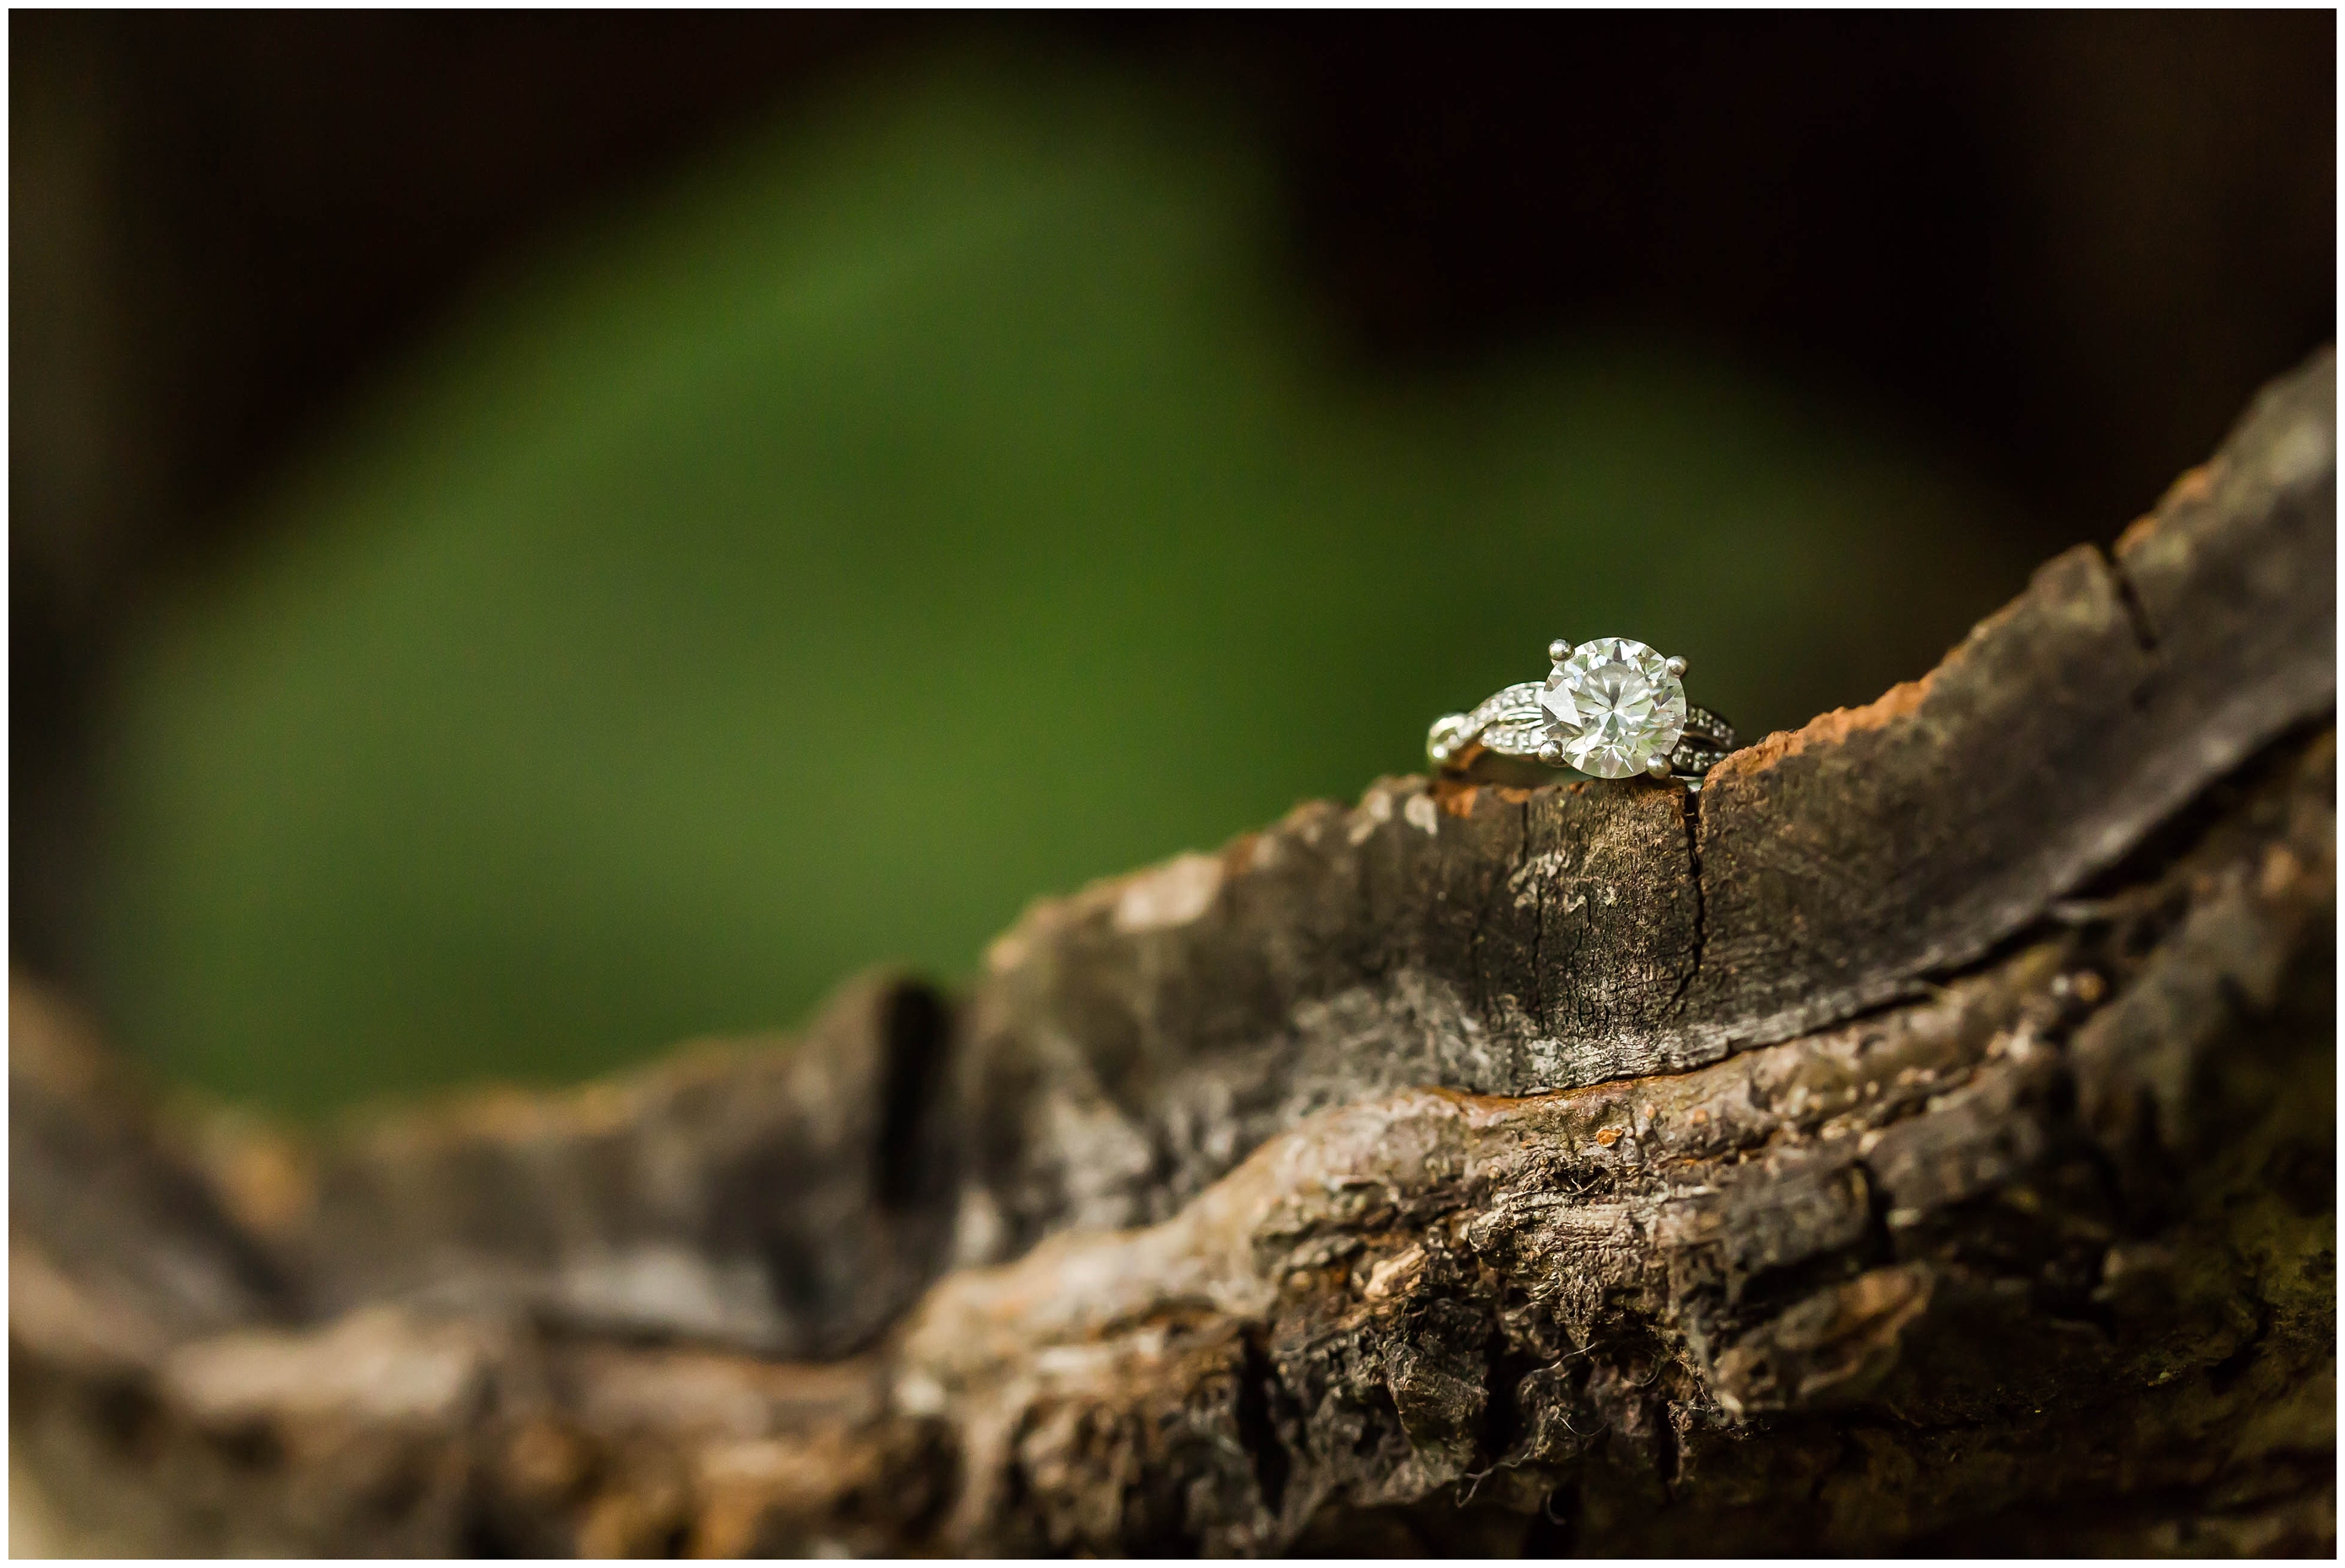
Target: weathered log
1921, 1139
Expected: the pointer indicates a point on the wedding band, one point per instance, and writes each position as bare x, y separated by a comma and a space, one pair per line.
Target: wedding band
1610, 709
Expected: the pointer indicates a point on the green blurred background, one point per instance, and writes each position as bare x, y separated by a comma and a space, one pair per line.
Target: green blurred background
965, 469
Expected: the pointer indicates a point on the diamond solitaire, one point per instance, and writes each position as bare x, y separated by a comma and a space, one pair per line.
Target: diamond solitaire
1610, 708
1614, 707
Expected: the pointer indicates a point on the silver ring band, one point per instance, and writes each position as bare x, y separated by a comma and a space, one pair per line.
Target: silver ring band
1610, 703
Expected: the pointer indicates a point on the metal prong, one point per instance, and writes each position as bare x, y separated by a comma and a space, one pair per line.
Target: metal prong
1551, 754
1658, 766
1674, 666
1559, 650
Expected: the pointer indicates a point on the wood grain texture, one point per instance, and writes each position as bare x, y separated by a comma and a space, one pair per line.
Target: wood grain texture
1921, 1140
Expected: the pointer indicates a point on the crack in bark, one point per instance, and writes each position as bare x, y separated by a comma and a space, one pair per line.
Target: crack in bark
2145, 631
1690, 805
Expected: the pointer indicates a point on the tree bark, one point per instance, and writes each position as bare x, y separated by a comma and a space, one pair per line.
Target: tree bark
1919, 1139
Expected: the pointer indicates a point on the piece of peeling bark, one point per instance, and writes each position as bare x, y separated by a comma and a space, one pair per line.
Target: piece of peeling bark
1866, 1155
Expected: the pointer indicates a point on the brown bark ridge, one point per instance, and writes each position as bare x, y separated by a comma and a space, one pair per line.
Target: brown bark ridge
1920, 1140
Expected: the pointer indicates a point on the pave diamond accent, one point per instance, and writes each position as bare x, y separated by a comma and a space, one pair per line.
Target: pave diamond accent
1613, 707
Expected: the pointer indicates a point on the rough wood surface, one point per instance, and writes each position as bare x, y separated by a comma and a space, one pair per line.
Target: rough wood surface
1923, 1138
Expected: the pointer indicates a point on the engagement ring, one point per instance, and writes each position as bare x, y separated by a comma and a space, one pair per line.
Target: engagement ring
1610, 708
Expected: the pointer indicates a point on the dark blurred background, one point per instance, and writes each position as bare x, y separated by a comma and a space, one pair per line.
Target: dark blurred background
2039, 261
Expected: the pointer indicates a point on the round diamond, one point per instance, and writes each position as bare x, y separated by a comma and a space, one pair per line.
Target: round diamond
1613, 707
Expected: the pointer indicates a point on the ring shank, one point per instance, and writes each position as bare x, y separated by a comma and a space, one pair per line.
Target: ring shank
1499, 740
1706, 741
